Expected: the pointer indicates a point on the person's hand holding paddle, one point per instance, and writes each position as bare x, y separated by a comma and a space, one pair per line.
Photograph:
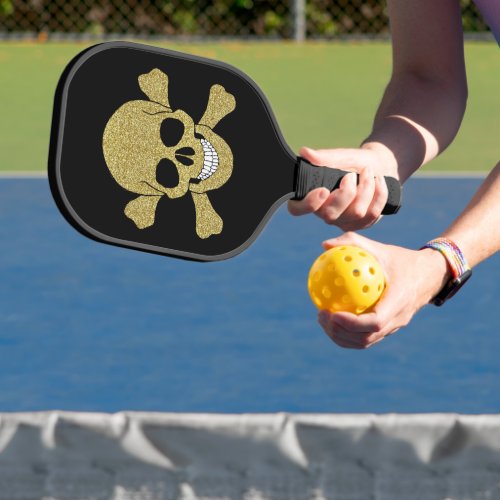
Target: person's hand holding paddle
353, 205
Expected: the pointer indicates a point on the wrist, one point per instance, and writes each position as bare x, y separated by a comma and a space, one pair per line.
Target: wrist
437, 272
386, 157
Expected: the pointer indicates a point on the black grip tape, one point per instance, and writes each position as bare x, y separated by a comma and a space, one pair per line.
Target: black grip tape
309, 177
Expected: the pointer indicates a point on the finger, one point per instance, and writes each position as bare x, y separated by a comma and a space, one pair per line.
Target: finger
365, 191
348, 338
338, 201
345, 344
362, 324
374, 342
380, 196
385, 318
362, 340
311, 155
353, 341
341, 340
366, 209
311, 203
338, 334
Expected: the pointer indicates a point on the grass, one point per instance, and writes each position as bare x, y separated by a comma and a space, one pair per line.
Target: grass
323, 94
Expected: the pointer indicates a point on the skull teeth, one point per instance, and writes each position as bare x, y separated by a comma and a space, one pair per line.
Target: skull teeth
210, 160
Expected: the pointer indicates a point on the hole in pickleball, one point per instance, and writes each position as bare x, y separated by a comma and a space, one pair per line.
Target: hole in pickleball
317, 300
348, 258
356, 273
166, 173
363, 254
317, 276
339, 281
327, 293
379, 288
366, 289
346, 299
372, 270
171, 132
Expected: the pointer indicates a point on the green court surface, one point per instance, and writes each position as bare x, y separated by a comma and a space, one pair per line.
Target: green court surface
323, 94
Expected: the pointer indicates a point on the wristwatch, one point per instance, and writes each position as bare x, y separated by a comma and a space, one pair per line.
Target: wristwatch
460, 270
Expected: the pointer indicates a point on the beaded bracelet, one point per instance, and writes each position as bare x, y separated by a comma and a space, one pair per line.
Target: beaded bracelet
452, 254
460, 269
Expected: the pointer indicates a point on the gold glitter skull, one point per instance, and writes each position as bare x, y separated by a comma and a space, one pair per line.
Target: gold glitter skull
145, 140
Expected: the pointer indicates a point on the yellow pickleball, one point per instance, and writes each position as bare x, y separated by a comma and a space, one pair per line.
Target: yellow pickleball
346, 278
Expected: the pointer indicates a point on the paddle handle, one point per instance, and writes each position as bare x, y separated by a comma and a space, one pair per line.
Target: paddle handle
309, 177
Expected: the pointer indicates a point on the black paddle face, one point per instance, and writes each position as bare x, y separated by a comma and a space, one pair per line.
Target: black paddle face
164, 152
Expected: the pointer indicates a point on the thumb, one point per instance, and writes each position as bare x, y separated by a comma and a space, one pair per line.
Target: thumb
351, 159
349, 238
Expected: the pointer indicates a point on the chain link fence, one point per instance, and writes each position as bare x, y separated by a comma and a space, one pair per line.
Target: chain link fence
284, 19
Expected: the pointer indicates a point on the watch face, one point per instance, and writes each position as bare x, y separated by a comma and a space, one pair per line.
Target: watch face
451, 288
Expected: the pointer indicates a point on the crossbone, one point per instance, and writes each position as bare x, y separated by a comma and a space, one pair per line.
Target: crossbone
134, 150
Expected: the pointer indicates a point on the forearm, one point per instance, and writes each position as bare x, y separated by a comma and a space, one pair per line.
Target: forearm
416, 120
424, 103
477, 230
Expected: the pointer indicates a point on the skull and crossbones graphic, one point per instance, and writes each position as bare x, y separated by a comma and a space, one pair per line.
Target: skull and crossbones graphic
143, 137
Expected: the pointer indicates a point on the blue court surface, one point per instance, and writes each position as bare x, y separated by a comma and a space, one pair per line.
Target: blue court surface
90, 327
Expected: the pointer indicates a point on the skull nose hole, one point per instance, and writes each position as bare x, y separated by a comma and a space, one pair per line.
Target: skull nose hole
182, 154
185, 151
187, 162
166, 173
171, 132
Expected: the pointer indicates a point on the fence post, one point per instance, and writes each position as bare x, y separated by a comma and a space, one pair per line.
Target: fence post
299, 20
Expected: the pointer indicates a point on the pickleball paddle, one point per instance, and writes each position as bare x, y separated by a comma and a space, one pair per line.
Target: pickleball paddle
172, 153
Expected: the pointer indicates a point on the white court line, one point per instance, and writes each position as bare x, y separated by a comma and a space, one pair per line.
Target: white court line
431, 174
453, 174
11, 174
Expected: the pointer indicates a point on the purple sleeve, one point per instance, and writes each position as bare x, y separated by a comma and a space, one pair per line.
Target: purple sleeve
490, 9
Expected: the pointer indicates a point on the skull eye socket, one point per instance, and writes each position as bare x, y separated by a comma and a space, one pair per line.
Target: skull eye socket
171, 132
167, 174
